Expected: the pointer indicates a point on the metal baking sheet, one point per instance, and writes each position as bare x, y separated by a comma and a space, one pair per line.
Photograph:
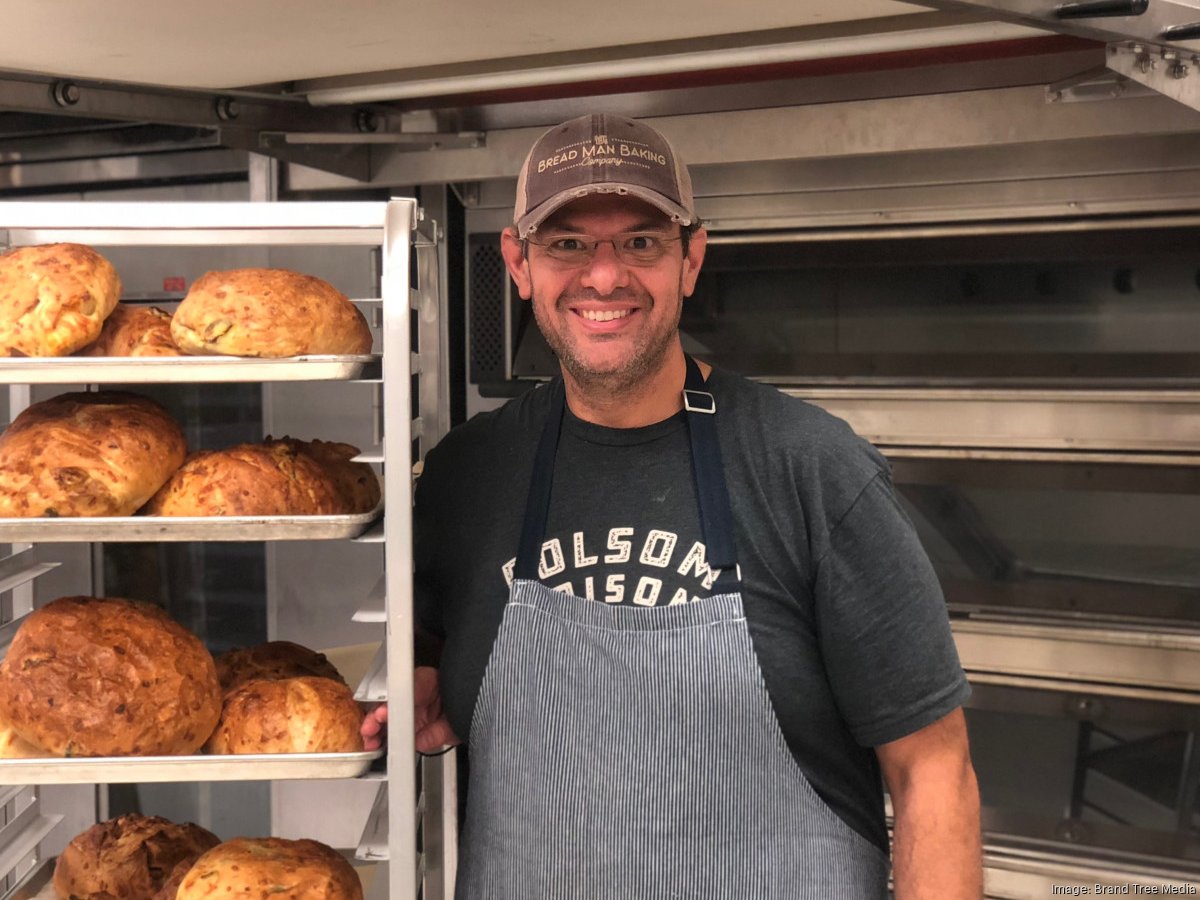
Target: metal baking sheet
132, 769
185, 528
184, 369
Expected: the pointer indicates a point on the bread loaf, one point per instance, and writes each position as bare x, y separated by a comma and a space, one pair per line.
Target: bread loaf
134, 331
271, 869
170, 887
269, 313
54, 298
275, 478
127, 858
290, 715
272, 661
108, 677
101, 454
12, 746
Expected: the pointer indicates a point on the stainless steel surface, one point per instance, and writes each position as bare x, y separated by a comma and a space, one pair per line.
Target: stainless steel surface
138, 103
188, 528
185, 369
21, 568
636, 62
1061, 456
132, 770
433, 339
1155, 658
22, 832
1011, 874
374, 605
193, 224
401, 220
1146, 28
374, 842
1014, 117
1030, 419
439, 784
1171, 73
372, 688
36, 885
100, 172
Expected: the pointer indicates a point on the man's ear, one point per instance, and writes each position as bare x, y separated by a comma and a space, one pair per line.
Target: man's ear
514, 259
693, 261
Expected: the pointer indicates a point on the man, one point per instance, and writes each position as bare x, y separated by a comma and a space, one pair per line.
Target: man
720, 627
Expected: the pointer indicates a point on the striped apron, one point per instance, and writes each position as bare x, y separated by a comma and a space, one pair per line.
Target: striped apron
633, 752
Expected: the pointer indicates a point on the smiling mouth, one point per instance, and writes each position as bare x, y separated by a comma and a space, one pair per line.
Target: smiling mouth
604, 315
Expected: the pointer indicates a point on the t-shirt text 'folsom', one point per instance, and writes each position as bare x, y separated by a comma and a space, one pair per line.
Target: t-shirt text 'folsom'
655, 549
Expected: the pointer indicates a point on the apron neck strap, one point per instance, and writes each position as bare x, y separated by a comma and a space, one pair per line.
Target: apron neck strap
708, 471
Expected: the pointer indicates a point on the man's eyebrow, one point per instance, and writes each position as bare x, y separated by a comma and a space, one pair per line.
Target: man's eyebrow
569, 227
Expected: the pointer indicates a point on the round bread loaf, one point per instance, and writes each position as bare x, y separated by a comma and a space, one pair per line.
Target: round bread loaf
127, 858
290, 715
270, 313
101, 454
272, 661
275, 478
93, 677
54, 298
134, 331
271, 869
170, 887
13, 746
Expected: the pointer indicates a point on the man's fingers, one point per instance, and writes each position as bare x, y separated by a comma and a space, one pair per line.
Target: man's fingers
374, 721
374, 727
435, 736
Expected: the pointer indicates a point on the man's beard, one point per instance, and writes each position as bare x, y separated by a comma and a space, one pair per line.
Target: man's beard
645, 359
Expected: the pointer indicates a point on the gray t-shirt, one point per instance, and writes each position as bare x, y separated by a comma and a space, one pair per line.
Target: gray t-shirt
844, 610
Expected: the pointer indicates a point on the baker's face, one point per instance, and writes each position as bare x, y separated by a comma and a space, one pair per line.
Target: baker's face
610, 319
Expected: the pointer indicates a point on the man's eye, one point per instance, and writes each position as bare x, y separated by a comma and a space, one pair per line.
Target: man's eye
568, 245
641, 242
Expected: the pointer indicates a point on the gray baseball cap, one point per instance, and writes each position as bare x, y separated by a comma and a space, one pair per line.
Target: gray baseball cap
601, 154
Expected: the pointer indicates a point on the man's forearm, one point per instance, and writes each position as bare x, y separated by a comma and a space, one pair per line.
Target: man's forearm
936, 847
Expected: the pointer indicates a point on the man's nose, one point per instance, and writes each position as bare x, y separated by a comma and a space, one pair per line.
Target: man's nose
605, 272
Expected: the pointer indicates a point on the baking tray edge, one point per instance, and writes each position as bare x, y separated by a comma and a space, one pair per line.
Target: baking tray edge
131, 769
185, 528
184, 369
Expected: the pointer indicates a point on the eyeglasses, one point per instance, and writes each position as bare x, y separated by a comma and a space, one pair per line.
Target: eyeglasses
637, 248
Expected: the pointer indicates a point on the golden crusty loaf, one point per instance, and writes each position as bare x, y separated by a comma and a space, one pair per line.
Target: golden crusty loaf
101, 454
106, 677
271, 869
13, 746
54, 298
289, 715
134, 331
272, 661
127, 858
277, 477
267, 312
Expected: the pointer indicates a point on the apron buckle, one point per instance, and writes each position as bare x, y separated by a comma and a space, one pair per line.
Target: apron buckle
699, 402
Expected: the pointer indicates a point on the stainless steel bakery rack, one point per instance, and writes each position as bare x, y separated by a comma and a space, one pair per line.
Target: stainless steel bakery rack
408, 367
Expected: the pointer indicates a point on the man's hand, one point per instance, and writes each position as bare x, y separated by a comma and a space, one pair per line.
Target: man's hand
433, 732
